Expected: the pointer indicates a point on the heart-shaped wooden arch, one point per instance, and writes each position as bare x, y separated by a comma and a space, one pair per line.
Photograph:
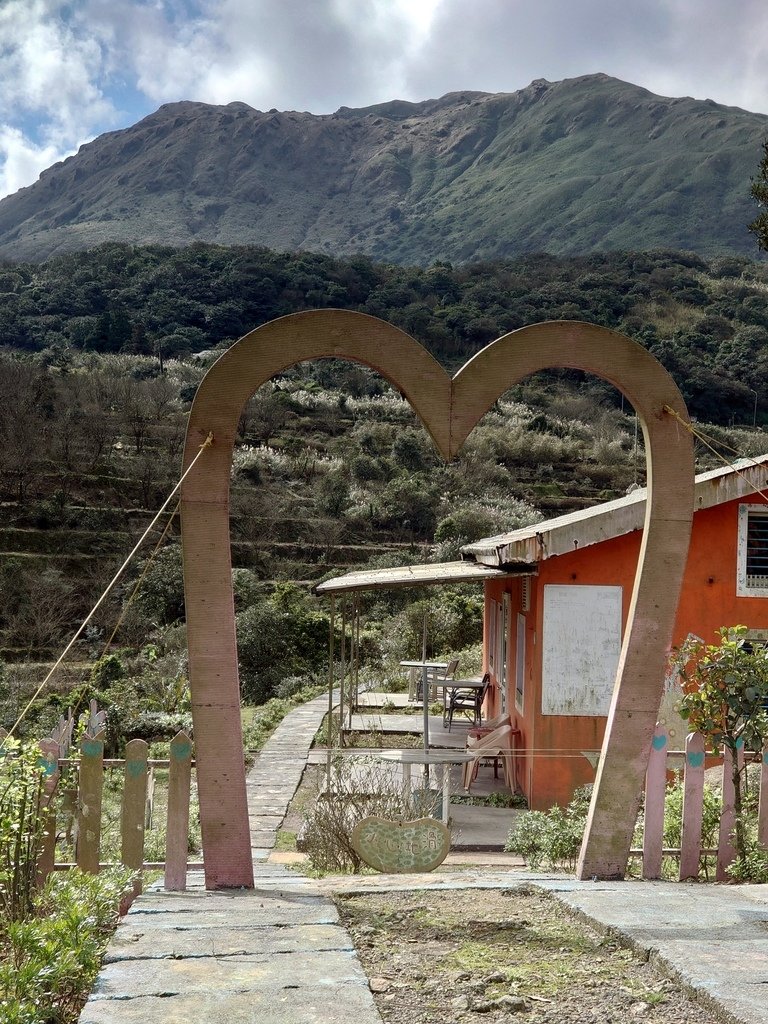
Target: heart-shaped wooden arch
449, 408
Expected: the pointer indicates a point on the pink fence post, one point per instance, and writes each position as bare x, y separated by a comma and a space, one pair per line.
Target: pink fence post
655, 789
762, 814
89, 802
177, 833
132, 809
693, 806
726, 851
49, 760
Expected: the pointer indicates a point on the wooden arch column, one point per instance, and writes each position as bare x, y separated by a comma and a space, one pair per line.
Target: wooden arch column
449, 409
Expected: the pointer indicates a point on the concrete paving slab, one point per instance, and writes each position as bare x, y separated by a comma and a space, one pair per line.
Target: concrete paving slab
265, 906
160, 942
352, 1004
255, 972
713, 937
263, 838
265, 821
260, 807
480, 828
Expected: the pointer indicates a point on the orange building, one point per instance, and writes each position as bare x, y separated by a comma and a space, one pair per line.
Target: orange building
552, 636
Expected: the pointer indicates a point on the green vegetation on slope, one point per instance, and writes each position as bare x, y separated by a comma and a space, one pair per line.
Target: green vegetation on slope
331, 468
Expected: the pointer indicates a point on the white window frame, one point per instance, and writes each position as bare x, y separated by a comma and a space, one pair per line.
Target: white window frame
520, 664
492, 623
503, 641
743, 586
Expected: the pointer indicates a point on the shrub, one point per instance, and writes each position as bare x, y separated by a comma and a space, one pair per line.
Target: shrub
53, 956
280, 637
359, 787
161, 595
21, 827
552, 838
725, 697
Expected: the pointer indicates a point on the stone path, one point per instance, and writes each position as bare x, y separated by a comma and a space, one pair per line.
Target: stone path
276, 954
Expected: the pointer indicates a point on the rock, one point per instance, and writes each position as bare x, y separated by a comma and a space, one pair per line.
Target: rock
460, 1003
380, 984
639, 1009
513, 1004
496, 976
485, 1006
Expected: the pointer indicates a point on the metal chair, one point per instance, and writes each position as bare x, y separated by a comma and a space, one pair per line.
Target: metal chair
435, 676
469, 701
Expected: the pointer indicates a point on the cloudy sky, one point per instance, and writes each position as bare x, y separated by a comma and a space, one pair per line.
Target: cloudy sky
72, 69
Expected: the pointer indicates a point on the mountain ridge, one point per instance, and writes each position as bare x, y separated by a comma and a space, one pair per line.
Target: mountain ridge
586, 164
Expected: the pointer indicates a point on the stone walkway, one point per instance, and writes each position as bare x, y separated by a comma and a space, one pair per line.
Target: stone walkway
277, 954
273, 955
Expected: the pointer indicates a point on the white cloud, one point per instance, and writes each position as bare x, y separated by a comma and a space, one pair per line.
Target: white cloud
703, 48
21, 161
314, 56
70, 69
50, 99
48, 71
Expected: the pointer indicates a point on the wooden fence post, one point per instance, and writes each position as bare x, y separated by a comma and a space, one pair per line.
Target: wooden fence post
177, 833
726, 851
655, 789
132, 811
762, 814
693, 806
89, 802
49, 759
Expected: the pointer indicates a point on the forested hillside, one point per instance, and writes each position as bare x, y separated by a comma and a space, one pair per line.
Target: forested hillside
707, 321
103, 353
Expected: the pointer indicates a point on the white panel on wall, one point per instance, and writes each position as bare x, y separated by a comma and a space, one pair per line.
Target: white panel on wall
581, 645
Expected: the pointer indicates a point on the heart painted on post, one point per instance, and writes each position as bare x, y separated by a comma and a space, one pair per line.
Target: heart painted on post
396, 847
449, 408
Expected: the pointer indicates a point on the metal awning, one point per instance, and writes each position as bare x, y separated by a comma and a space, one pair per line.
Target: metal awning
417, 576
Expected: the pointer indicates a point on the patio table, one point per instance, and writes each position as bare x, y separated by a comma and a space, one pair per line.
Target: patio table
426, 667
444, 758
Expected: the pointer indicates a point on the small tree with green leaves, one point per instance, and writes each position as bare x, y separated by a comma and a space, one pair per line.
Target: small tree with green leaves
725, 697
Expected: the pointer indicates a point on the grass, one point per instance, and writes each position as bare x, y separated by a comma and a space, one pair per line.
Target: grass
492, 945
285, 841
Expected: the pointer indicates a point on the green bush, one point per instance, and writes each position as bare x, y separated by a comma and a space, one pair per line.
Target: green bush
161, 594
51, 958
279, 637
21, 827
552, 838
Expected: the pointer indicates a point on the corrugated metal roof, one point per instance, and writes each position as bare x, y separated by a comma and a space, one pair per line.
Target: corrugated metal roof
611, 519
412, 576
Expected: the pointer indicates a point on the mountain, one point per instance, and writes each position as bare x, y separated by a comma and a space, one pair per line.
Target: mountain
586, 164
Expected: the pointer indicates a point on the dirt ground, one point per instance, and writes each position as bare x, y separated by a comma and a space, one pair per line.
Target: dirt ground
498, 955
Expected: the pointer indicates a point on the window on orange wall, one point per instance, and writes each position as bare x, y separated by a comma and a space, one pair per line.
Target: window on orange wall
492, 622
752, 553
520, 663
503, 641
